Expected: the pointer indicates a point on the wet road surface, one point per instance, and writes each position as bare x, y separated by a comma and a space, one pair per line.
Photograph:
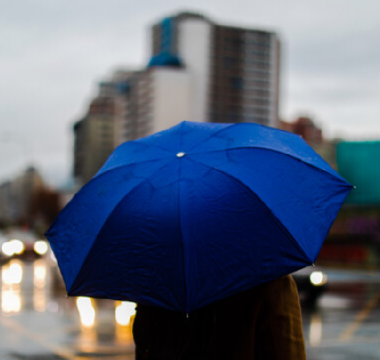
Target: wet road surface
345, 324
38, 322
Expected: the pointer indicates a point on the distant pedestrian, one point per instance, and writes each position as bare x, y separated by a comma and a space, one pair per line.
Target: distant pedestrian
263, 323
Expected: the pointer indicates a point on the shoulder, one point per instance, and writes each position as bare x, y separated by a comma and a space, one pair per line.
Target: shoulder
284, 282
283, 288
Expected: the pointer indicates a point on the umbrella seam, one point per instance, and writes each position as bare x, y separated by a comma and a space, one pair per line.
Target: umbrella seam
345, 183
150, 145
48, 232
130, 164
117, 204
180, 224
212, 135
235, 125
282, 226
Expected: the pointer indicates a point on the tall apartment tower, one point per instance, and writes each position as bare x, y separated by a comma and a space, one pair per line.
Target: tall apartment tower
198, 71
234, 71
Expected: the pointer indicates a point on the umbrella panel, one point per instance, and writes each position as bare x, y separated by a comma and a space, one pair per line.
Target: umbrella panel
182, 232
304, 198
73, 232
183, 244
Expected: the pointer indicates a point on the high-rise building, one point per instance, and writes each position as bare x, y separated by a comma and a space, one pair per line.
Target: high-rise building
123, 87
234, 71
151, 100
198, 71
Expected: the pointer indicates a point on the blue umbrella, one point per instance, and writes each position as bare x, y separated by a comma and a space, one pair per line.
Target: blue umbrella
197, 213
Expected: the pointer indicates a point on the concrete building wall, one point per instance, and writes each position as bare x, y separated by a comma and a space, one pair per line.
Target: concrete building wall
200, 71
235, 71
144, 98
125, 85
259, 92
194, 48
170, 97
275, 81
94, 142
99, 143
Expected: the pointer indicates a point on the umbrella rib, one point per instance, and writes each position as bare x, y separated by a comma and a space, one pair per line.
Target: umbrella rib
151, 145
275, 218
337, 176
212, 135
101, 228
229, 127
130, 164
184, 264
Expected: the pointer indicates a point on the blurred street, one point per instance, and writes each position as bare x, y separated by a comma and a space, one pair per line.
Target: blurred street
345, 322
172, 156
38, 322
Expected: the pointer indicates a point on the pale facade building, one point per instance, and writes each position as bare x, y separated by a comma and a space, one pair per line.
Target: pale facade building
235, 71
202, 71
198, 71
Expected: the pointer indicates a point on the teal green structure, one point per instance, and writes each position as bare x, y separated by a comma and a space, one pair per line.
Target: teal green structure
359, 163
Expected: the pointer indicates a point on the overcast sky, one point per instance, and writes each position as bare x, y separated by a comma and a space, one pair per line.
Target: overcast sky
53, 53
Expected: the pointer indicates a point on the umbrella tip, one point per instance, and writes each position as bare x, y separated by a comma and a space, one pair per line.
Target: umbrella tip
180, 154
313, 264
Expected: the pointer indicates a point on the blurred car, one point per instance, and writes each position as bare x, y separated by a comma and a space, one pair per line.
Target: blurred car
22, 245
17, 249
311, 283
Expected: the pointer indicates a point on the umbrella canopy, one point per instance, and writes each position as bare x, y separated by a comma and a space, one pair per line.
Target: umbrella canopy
196, 213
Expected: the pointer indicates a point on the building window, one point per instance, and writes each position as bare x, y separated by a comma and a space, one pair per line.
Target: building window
237, 83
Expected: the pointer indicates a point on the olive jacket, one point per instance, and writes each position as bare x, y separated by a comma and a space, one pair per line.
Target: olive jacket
261, 323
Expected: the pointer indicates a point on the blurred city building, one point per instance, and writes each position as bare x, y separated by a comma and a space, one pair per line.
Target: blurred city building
358, 162
150, 100
130, 120
28, 202
16, 196
313, 135
94, 135
305, 127
234, 71
198, 71
354, 239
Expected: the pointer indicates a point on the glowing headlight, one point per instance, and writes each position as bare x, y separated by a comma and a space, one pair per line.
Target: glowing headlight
18, 246
41, 247
12, 247
7, 249
86, 311
317, 278
123, 312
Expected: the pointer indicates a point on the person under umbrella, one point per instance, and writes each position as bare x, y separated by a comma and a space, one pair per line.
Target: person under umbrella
195, 214
258, 324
